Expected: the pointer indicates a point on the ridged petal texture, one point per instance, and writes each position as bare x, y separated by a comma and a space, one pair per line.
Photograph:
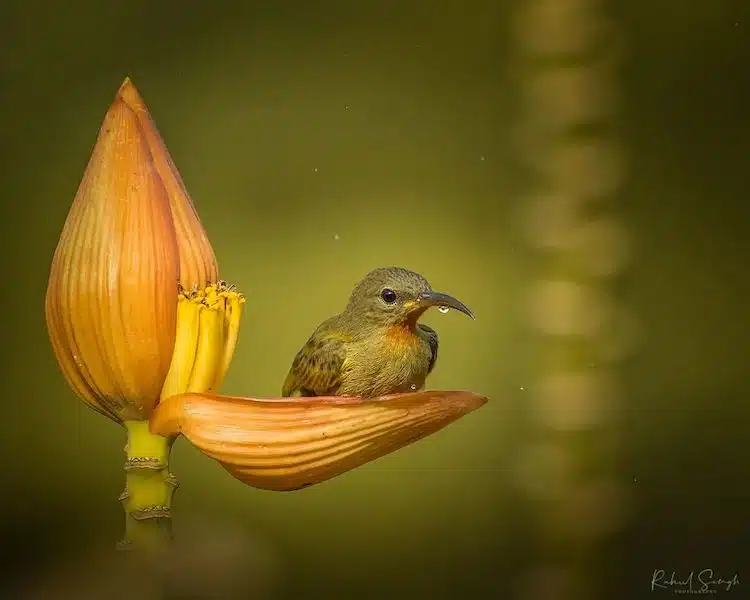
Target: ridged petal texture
287, 444
198, 266
132, 246
111, 299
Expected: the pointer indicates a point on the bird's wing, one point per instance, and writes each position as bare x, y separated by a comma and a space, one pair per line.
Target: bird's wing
432, 340
317, 368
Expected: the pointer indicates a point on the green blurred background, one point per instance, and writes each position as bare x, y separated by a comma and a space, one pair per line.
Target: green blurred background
320, 140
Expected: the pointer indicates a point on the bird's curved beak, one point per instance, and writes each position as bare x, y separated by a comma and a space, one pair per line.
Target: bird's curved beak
427, 299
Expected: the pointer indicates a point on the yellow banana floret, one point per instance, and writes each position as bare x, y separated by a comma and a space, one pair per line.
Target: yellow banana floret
208, 323
232, 315
210, 345
185, 346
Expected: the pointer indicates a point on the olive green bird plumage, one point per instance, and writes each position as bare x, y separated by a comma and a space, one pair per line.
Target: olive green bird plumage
375, 346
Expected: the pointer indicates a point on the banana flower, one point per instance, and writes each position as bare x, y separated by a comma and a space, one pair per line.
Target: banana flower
144, 332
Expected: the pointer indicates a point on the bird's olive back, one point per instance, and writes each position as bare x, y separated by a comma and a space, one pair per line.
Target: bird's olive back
382, 295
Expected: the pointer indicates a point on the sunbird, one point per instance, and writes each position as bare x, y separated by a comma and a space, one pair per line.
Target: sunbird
375, 346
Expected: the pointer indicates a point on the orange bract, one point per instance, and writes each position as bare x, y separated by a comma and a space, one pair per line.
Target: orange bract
131, 235
283, 444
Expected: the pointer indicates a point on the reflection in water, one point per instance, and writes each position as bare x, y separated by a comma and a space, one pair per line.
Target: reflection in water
566, 50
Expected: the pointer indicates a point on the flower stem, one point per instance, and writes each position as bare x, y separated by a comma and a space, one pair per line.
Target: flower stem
149, 486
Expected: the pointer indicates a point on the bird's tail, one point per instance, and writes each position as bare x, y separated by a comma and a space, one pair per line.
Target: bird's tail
290, 385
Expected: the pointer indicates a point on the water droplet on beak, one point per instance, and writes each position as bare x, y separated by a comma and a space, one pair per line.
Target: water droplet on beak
443, 309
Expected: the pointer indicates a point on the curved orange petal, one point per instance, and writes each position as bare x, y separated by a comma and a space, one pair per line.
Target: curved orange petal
197, 260
286, 444
110, 304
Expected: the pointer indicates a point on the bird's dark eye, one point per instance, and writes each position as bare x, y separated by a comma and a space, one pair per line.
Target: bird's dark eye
388, 296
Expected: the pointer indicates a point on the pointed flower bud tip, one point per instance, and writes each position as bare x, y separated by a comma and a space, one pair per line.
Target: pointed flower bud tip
197, 260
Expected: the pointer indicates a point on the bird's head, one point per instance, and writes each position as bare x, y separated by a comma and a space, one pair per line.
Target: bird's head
392, 296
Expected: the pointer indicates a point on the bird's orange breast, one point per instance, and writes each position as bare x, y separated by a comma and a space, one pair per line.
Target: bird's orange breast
401, 339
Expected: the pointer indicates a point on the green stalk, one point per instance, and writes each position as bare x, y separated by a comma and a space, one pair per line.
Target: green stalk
149, 487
